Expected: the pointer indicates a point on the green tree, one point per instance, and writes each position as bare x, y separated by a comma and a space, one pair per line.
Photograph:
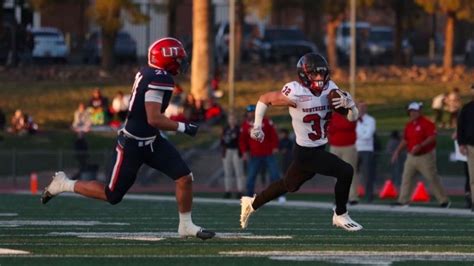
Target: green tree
454, 10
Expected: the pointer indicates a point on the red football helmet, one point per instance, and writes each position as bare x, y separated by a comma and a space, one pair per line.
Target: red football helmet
168, 54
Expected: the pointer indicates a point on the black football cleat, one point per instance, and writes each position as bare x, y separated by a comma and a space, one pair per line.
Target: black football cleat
46, 196
205, 234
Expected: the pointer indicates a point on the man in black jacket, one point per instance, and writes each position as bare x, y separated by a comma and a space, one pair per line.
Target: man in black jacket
466, 138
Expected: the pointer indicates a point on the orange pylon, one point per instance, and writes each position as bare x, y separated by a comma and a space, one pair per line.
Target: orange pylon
420, 193
360, 191
389, 191
33, 183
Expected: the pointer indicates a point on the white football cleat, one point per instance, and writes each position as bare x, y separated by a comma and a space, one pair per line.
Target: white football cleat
345, 222
56, 187
246, 210
192, 230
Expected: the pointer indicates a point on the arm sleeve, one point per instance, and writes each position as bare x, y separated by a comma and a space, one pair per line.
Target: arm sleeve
154, 96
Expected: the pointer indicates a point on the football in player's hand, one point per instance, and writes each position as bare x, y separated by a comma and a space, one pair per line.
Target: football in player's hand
334, 94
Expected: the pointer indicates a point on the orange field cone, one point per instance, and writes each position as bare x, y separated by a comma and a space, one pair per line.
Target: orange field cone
420, 193
388, 190
33, 183
360, 191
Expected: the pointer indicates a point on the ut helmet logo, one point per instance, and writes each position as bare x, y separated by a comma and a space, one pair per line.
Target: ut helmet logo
170, 51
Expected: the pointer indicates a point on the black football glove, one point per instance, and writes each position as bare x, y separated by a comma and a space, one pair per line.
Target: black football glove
191, 129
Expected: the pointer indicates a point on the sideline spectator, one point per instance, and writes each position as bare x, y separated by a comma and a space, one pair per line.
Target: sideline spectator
232, 158
82, 120
342, 138
365, 130
420, 142
396, 168
18, 123
214, 112
258, 153
99, 108
120, 106
453, 105
465, 136
438, 105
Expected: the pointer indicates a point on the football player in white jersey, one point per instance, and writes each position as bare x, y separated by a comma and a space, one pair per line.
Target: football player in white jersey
310, 112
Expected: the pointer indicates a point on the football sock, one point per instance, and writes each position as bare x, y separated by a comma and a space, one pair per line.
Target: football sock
273, 191
186, 220
341, 190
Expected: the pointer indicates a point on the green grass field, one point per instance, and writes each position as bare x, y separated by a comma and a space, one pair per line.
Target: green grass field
142, 231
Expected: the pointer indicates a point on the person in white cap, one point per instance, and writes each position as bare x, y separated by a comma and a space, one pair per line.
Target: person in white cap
420, 142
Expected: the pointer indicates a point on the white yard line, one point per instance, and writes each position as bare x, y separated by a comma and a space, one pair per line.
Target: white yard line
157, 236
16, 223
354, 257
7, 251
8, 214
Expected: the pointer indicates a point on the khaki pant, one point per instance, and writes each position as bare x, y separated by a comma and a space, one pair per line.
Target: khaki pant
470, 164
233, 169
349, 155
426, 165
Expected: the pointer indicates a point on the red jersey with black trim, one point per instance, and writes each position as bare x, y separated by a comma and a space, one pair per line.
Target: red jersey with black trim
147, 78
417, 131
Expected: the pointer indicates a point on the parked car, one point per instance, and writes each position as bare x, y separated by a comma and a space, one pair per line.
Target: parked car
221, 41
469, 53
125, 48
343, 38
381, 45
49, 44
283, 44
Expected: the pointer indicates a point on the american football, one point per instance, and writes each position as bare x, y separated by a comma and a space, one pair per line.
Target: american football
333, 94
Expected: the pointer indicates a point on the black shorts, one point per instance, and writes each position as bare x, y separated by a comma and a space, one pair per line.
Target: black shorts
130, 154
308, 161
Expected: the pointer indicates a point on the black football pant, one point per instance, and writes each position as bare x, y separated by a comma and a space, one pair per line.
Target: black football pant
308, 161
130, 154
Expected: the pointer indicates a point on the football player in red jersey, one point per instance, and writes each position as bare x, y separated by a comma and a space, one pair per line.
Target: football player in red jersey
310, 112
140, 142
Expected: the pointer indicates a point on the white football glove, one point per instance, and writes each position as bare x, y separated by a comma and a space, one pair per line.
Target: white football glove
257, 134
345, 101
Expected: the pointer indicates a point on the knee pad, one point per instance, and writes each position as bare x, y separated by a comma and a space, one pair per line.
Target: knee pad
114, 197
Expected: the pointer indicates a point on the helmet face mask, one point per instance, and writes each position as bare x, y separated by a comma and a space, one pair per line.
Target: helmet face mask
168, 54
313, 71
